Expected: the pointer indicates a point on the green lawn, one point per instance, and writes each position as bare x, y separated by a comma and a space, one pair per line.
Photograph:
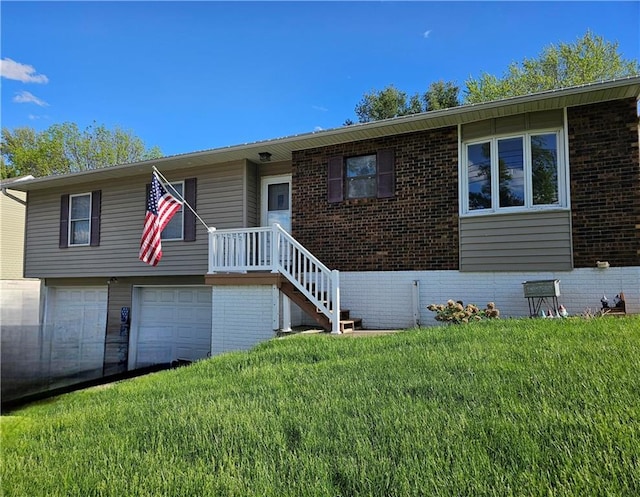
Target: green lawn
510, 407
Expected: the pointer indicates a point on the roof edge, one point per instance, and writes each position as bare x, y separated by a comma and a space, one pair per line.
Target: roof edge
307, 140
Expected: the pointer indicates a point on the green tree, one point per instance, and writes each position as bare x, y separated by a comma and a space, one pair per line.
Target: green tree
391, 102
6, 171
441, 95
64, 148
382, 104
588, 60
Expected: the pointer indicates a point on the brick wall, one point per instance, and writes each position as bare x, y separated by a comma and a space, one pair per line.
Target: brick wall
605, 183
417, 229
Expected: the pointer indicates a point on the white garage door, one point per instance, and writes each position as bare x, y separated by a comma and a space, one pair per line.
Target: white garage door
172, 323
76, 322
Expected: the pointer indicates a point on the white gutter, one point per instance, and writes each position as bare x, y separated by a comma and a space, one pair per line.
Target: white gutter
360, 131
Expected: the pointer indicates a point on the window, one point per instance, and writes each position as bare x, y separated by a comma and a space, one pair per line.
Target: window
362, 176
182, 225
513, 173
174, 229
80, 219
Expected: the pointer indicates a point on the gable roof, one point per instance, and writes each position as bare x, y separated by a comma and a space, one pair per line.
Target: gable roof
282, 148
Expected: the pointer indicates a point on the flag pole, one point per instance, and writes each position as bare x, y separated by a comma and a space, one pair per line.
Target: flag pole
165, 182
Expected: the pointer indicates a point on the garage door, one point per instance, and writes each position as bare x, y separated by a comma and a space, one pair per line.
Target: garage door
173, 323
76, 322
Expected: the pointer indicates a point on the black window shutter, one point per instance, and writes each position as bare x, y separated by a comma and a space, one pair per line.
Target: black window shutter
334, 182
386, 173
64, 221
190, 190
146, 197
96, 205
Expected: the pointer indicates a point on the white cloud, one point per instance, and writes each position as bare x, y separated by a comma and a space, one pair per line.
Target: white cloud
11, 69
24, 97
35, 117
426, 33
318, 128
321, 109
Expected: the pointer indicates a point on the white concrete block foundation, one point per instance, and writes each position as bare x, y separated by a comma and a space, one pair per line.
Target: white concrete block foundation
242, 317
384, 299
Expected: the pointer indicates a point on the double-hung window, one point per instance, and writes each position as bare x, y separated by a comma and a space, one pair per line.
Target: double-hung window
514, 173
174, 229
80, 219
182, 225
362, 176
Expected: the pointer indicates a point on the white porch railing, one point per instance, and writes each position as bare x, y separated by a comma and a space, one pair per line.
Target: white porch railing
273, 249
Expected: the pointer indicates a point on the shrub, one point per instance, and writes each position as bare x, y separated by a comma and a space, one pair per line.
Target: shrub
457, 312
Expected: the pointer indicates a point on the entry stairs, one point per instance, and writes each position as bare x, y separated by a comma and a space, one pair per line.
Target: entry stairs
306, 281
348, 324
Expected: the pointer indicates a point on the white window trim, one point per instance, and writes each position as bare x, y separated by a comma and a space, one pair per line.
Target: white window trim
563, 172
71, 220
180, 213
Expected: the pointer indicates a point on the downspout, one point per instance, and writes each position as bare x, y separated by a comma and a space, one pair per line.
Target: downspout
415, 296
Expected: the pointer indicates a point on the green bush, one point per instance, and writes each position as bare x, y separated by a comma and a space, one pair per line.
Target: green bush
457, 312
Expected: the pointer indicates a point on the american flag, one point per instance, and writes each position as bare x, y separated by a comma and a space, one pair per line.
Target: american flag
161, 206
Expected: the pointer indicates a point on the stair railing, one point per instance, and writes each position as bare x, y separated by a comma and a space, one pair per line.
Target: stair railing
273, 249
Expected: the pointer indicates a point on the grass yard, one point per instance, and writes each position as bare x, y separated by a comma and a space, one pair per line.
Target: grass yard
510, 407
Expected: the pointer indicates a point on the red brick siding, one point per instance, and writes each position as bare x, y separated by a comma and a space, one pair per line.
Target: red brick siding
417, 229
605, 183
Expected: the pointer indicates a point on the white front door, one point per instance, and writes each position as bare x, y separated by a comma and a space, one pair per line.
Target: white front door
276, 201
276, 208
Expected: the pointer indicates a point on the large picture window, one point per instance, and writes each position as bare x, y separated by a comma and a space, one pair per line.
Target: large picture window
513, 173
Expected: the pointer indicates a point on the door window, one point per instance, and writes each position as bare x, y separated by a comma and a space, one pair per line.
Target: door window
277, 204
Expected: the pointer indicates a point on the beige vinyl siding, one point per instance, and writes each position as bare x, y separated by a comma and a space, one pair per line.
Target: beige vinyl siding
536, 241
116, 349
220, 203
251, 195
12, 212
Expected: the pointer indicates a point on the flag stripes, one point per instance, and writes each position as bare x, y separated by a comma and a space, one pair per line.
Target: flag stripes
161, 206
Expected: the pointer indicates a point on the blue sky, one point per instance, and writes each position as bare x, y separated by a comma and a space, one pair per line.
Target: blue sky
189, 76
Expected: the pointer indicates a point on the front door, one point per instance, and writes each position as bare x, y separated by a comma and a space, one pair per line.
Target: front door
276, 201
276, 208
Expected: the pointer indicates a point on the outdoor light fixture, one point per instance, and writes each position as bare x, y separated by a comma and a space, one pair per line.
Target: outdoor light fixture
264, 156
